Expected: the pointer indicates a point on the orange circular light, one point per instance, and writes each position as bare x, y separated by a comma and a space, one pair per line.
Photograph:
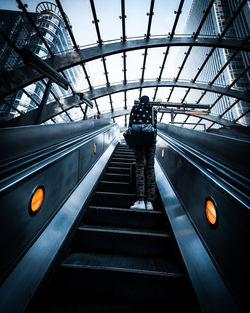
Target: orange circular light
162, 153
211, 212
37, 199
95, 149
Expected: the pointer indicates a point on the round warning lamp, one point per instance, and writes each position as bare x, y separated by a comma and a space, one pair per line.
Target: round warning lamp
162, 153
211, 213
37, 199
95, 149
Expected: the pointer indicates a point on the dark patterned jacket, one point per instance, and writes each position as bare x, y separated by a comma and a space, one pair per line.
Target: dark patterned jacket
141, 114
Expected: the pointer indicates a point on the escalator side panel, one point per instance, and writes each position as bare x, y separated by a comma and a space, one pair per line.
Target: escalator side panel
210, 289
18, 228
226, 242
36, 239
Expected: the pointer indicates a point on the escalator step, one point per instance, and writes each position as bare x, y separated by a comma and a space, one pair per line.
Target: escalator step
120, 240
111, 186
116, 177
121, 160
118, 170
119, 164
121, 263
124, 151
121, 217
120, 278
112, 199
123, 155
76, 306
124, 148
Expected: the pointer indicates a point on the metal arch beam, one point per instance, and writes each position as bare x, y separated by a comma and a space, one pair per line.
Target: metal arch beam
104, 91
147, 36
209, 117
24, 76
178, 13
50, 110
114, 114
53, 109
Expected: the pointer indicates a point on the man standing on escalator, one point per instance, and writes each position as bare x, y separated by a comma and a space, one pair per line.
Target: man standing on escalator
143, 113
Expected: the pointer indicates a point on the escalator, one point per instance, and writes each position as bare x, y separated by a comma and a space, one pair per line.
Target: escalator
118, 259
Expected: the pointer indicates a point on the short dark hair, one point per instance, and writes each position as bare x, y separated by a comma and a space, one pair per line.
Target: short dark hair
144, 100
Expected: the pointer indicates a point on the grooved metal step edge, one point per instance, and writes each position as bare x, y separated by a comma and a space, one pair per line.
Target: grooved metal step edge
116, 158
120, 163
124, 231
114, 182
131, 264
152, 212
116, 174
117, 168
115, 193
125, 153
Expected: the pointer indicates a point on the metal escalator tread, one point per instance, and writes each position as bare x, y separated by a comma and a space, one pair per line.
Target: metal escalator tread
67, 306
124, 230
123, 159
119, 164
124, 217
119, 170
124, 153
111, 186
122, 240
118, 199
154, 212
116, 193
116, 177
110, 262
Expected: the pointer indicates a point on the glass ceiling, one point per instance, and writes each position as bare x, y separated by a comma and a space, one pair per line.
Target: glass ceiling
127, 20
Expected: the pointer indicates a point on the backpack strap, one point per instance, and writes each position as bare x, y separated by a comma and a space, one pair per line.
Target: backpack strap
153, 120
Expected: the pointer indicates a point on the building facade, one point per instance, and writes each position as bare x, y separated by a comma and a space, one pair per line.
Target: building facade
220, 15
20, 31
240, 29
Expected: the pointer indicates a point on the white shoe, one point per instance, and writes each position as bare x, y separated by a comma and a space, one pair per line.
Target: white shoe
149, 206
140, 205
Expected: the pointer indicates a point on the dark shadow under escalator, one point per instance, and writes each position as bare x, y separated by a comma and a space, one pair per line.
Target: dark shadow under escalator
118, 260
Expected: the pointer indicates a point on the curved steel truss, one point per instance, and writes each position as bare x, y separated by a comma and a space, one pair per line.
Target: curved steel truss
72, 101
104, 91
19, 78
24, 76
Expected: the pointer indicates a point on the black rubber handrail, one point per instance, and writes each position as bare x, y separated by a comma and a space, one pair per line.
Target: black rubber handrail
231, 181
19, 169
233, 152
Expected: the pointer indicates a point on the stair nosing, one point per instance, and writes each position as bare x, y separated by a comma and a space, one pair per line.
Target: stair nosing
121, 269
116, 174
119, 162
113, 167
156, 212
119, 230
124, 153
115, 193
114, 182
132, 159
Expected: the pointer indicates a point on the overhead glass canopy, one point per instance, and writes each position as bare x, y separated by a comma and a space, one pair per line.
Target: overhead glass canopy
190, 57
